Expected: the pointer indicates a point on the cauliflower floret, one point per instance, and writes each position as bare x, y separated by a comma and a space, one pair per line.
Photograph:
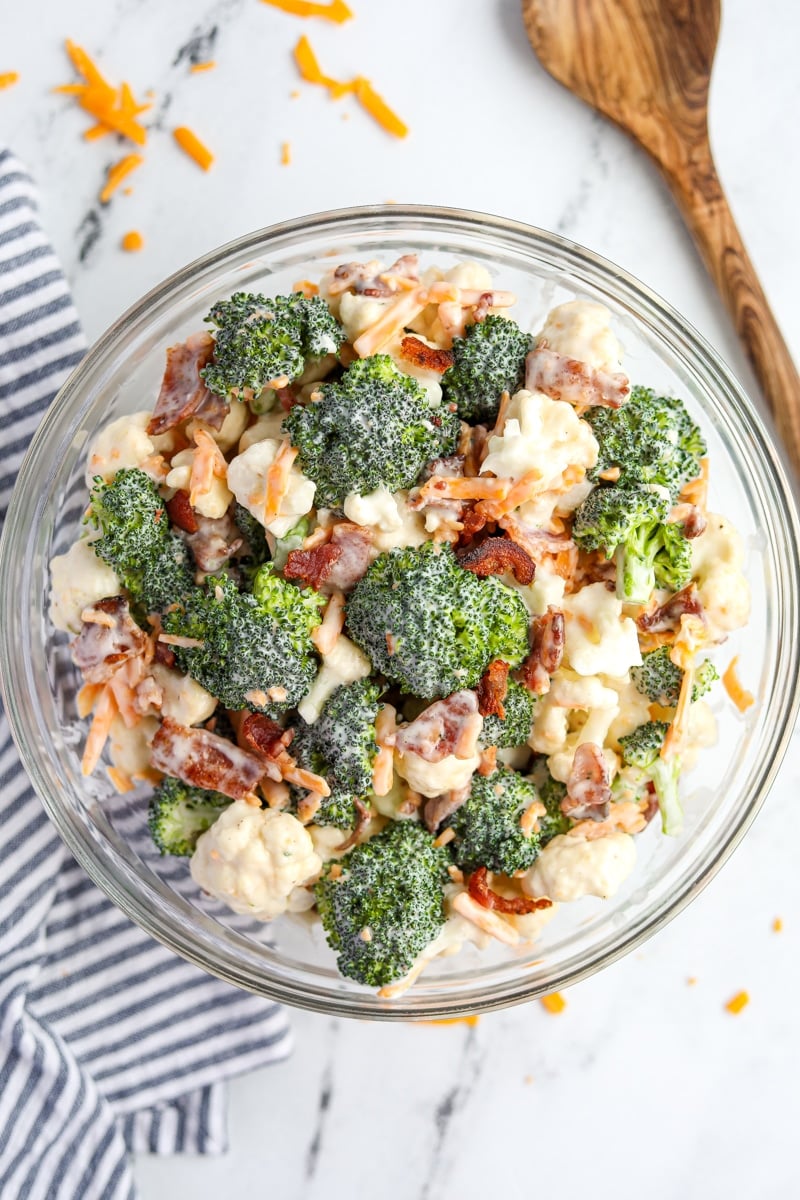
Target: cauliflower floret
230, 431
580, 694
215, 502
541, 435
377, 510
345, 664
701, 732
184, 700
268, 425
470, 275
247, 479
357, 313
546, 589
571, 867
634, 708
717, 558
253, 858
434, 778
598, 639
123, 443
129, 749
77, 579
582, 329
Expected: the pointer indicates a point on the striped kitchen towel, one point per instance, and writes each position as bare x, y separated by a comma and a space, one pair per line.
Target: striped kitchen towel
109, 1043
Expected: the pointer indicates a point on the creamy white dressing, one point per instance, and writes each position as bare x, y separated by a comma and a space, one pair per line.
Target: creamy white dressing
599, 640
543, 437
582, 329
247, 479
77, 579
345, 664
570, 867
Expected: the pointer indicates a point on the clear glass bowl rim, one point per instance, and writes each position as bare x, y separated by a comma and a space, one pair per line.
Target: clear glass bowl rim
64, 417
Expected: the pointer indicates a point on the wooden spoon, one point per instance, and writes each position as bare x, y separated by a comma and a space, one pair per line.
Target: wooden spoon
646, 64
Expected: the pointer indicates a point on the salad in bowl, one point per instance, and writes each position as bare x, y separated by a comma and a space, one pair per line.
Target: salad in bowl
405, 613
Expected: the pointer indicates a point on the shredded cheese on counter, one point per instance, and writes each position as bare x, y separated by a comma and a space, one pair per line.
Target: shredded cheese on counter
335, 10
8, 78
190, 143
115, 111
117, 173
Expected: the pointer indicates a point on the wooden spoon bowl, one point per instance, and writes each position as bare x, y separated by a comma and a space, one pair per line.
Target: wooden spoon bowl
646, 64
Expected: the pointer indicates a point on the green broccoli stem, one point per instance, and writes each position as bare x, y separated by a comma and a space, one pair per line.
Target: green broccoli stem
636, 576
665, 774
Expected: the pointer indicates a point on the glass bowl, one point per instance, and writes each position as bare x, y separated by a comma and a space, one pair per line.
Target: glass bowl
288, 959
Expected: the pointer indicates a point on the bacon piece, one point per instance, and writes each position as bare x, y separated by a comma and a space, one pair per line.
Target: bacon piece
472, 446
354, 543
164, 654
588, 791
362, 821
667, 616
450, 467
558, 553
313, 567
439, 808
547, 650
492, 688
183, 393
495, 556
264, 736
481, 309
691, 518
109, 637
205, 760
481, 893
446, 727
473, 520
181, 513
563, 378
214, 542
415, 351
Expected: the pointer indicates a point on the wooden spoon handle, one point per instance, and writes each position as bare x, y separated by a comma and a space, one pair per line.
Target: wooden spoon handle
702, 201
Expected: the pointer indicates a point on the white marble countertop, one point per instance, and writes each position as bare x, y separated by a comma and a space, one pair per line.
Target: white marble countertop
650, 1080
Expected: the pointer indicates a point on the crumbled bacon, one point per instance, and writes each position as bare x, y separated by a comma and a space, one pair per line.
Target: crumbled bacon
472, 446
164, 654
313, 567
547, 651
205, 760
362, 821
446, 727
651, 807
354, 546
563, 378
492, 688
415, 351
264, 736
367, 279
691, 518
183, 393
214, 542
473, 520
667, 616
495, 556
439, 808
555, 551
181, 513
481, 309
588, 790
109, 637
481, 893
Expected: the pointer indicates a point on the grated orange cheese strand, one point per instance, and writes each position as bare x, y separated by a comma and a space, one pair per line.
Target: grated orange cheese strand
392, 320
737, 1003
326, 634
308, 66
190, 143
472, 1021
463, 487
196, 68
208, 462
117, 173
122, 782
104, 714
335, 10
730, 681
383, 766
114, 112
277, 483
8, 78
378, 109
286, 154
132, 241
553, 1003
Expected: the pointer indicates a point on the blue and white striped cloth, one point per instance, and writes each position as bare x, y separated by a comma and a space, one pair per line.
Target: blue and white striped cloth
108, 1042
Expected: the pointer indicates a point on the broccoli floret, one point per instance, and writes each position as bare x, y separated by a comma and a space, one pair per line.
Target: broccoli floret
488, 361
630, 525
514, 728
152, 562
178, 814
551, 792
651, 439
340, 746
259, 340
246, 648
487, 825
386, 905
660, 680
642, 749
297, 611
431, 626
373, 428
254, 534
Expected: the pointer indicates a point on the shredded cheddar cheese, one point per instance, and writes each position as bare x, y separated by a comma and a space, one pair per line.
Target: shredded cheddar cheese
114, 111
190, 143
117, 173
196, 68
554, 1003
335, 10
370, 101
777, 925
286, 154
737, 1003
730, 681
8, 79
132, 241
471, 1021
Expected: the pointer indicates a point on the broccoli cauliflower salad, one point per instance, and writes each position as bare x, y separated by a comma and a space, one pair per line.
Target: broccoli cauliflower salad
401, 610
